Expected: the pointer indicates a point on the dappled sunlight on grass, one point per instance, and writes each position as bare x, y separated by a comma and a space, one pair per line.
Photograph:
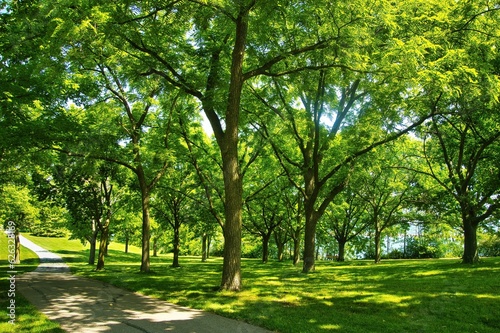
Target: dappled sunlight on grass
359, 296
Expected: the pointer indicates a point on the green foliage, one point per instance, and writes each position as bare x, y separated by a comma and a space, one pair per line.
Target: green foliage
489, 245
310, 90
18, 206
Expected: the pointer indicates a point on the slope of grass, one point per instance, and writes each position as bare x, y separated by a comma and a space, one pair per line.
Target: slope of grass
395, 296
28, 318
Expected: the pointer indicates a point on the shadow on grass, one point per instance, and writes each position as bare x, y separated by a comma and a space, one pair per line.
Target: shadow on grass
395, 296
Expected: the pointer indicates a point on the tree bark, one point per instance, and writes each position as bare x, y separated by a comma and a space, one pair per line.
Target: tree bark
280, 244
93, 243
265, 248
146, 223
146, 233
341, 255
102, 246
209, 241
155, 246
378, 254
231, 271
470, 255
309, 239
204, 247
233, 185
281, 248
17, 244
296, 247
176, 244
126, 242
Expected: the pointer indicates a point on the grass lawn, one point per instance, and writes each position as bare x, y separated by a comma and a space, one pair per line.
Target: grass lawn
394, 296
28, 318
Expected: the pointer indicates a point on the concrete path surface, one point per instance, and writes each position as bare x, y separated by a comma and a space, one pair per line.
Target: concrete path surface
84, 305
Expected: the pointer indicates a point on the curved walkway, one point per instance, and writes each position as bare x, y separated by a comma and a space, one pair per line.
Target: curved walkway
84, 305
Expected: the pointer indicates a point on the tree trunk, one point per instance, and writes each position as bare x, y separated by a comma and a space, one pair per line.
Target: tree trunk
155, 246
204, 248
231, 270
341, 256
470, 255
126, 242
146, 226
17, 244
265, 248
93, 243
102, 246
378, 254
177, 244
209, 241
309, 240
296, 247
280, 245
107, 245
233, 187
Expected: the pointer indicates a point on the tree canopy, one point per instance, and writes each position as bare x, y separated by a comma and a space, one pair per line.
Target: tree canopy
304, 100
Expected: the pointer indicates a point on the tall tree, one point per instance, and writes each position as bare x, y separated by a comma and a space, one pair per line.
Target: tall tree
370, 91
172, 204
386, 190
18, 213
205, 56
346, 219
461, 145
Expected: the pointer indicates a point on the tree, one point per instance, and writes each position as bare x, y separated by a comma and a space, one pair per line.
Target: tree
18, 212
387, 190
461, 144
210, 63
362, 95
294, 221
264, 216
346, 218
467, 150
173, 205
87, 192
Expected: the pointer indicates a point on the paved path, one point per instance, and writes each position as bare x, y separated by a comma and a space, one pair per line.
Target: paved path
88, 306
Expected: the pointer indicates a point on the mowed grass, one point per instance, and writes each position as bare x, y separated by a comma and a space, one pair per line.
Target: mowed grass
28, 318
394, 296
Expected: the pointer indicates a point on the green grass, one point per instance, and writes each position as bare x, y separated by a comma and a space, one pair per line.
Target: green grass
395, 296
28, 318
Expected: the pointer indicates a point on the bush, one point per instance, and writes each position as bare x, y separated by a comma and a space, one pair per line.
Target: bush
55, 233
489, 246
417, 249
